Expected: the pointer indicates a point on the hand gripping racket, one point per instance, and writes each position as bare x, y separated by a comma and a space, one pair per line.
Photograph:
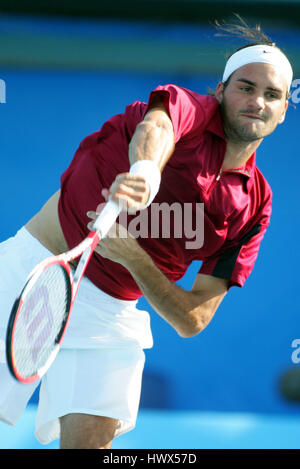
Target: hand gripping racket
41, 313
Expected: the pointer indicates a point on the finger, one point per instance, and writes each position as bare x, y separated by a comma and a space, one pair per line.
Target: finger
131, 192
110, 233
123, 184
130, 177
105, 193
92, 215
137, 185
90, 225
130, 196
128, 203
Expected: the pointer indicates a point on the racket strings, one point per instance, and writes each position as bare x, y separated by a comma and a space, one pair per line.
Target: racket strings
41, 319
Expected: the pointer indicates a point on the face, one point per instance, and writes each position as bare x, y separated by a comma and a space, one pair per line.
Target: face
253, 103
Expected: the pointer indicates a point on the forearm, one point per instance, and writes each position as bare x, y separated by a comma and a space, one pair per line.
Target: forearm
189, 312
153, 139
151, 146
184, 310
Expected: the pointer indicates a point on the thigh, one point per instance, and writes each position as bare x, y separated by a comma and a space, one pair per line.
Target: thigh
82, 431
103, 384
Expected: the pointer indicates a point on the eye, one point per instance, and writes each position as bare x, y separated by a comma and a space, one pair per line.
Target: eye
271, 95
247, 89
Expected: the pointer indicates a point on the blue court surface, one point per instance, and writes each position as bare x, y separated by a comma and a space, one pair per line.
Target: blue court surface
180, 429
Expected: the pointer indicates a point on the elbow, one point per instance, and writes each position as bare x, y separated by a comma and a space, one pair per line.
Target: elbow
187, 334
194, 323
189, 329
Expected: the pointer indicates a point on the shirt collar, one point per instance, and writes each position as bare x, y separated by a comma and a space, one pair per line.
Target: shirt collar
251, 165
215, 125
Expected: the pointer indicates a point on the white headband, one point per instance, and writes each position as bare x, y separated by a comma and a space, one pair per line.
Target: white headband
264, 54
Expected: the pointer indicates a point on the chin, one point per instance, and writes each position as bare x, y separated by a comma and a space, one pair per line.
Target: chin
252, 132
248, 136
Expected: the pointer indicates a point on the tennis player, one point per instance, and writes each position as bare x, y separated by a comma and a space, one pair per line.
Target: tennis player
186, 148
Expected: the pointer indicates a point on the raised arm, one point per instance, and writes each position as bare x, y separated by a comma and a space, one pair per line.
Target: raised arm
154, 137
152, 140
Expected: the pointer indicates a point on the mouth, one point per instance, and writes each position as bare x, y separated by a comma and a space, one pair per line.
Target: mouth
252, 116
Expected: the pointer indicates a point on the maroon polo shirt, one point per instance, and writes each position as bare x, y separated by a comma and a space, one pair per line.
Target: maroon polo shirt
235, 204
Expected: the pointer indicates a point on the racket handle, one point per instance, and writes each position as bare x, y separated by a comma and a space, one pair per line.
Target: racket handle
107, 218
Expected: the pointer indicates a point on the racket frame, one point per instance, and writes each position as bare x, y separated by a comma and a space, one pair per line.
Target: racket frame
16, 310
85, 249
88, 245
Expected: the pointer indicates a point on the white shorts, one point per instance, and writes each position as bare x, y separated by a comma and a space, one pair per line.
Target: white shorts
99, 368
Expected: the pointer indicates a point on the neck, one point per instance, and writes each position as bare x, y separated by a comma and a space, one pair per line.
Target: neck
238, 153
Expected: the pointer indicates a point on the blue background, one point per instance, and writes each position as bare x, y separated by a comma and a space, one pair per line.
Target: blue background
235, 364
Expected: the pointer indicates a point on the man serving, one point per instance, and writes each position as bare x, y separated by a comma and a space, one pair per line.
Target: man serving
180, 147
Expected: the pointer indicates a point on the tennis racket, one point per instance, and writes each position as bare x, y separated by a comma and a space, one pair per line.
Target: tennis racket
41, 313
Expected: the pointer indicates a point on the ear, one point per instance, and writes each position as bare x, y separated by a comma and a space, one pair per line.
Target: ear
219, 92
282, 118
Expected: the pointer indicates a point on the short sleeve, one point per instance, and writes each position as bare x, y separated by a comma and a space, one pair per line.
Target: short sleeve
237, 262
186, 109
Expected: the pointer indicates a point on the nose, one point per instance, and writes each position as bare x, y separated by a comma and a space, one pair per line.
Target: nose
257, 102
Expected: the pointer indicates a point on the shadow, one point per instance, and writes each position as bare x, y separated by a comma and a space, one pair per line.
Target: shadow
155, 391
